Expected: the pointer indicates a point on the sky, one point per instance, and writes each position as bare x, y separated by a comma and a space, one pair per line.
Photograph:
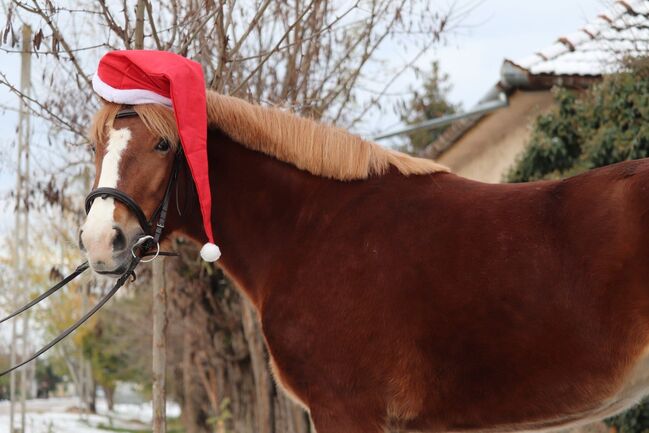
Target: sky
500, 29
472, 56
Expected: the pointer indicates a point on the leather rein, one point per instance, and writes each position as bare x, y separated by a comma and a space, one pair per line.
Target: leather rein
152, 229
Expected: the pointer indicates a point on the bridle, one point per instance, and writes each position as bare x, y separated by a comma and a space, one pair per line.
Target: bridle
152, 229
151, 233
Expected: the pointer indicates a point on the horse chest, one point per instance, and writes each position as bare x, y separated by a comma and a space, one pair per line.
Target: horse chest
282, 359
283, 383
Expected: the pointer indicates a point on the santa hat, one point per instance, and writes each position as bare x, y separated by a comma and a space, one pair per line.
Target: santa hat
158, 77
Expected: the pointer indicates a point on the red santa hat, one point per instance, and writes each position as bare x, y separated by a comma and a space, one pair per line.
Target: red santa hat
158, 77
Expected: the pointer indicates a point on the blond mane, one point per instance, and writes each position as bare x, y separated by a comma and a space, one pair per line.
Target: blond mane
320, 149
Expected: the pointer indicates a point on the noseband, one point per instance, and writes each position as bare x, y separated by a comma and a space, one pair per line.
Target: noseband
152, 233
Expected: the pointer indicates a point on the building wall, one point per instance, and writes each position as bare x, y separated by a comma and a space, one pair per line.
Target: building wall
488, 149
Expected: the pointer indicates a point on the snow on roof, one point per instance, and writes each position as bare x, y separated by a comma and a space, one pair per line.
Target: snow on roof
596, 48
575, 60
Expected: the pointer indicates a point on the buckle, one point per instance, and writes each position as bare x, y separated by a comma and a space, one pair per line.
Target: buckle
141, 242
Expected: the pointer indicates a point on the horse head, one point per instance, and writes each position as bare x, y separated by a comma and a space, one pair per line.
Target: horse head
135, 152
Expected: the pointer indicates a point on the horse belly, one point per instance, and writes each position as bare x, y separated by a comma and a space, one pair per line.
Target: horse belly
604, 377
634, 387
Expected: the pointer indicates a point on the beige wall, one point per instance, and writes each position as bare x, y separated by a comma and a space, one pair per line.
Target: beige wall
487, 151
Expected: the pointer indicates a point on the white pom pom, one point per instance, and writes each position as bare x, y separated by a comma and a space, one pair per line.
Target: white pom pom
210, 252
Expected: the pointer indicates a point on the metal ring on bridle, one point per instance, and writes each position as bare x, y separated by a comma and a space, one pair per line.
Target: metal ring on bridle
142, 240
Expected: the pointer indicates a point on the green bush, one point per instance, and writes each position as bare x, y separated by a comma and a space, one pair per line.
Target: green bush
634, 420
606, 124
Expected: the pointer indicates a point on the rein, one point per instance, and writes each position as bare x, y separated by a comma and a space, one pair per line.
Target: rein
138, 251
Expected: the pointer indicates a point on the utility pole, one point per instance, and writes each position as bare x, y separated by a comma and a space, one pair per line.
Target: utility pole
21, 232
12, 377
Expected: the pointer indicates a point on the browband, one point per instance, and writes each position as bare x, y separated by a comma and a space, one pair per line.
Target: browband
126, 112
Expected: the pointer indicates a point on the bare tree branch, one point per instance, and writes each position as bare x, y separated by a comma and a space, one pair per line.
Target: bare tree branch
154, 33
56, 34
42, 108
243, 83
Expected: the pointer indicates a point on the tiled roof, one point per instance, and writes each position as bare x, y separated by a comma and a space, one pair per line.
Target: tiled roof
596, 48
575, 60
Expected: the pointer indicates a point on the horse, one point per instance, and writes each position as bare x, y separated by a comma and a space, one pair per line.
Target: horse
393, 294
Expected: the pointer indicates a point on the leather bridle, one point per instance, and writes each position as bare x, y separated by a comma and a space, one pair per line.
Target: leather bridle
139, 250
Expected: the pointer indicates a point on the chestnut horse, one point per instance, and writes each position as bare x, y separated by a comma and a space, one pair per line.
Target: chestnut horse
393, 294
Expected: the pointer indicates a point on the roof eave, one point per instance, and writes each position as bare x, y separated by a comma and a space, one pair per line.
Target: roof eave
513, 77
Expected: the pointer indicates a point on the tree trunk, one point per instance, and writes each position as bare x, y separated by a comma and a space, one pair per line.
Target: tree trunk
139, 25
264, 386
73, 369
109, 391
12, 376
159, 346
92, 391
223, 343
189, 410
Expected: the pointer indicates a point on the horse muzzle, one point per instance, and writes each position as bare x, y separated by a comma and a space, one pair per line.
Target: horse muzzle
109, 250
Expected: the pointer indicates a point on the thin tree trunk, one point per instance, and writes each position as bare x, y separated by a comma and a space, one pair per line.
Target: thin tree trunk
92, 392
22, 227
72, 368
139, 25
83, 372
189, 412
109, 391
229, 362
159, 346
12, 377
292, 418
263, 381
24, 374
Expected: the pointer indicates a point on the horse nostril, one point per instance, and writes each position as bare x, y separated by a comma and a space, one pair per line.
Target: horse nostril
119, 240
81, 247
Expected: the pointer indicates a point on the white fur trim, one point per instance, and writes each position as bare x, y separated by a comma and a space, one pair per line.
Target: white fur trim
210, 252
127, 96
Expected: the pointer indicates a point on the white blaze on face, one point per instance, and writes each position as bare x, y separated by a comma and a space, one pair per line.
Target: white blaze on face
98, 231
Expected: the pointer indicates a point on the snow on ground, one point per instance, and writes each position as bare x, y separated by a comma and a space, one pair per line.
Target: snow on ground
61, 415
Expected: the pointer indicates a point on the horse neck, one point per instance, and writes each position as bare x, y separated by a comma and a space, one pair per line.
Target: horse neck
256, 206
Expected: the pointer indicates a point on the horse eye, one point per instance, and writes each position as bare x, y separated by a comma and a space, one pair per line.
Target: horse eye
162, 146
92, 148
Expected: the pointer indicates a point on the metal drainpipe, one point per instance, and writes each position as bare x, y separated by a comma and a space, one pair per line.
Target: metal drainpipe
438, 122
